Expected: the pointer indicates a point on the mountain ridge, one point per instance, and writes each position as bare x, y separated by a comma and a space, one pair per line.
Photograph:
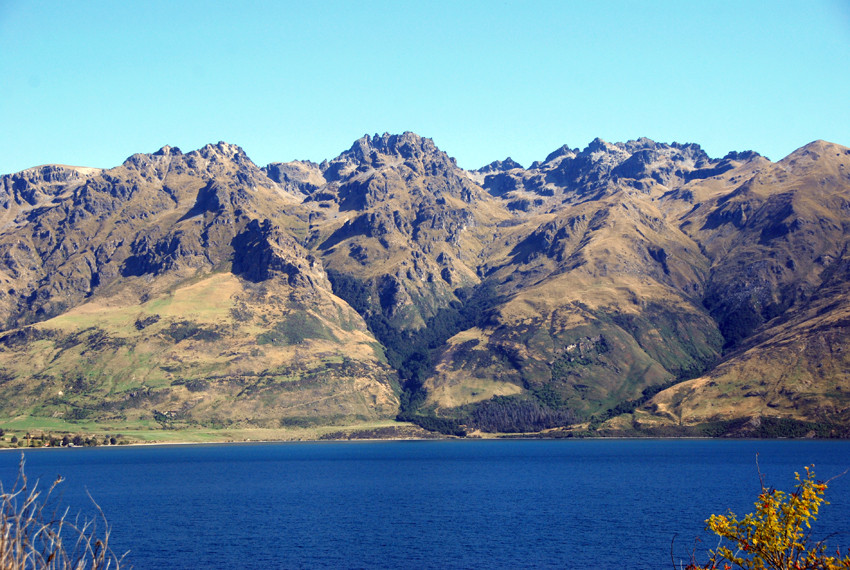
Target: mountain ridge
567, 289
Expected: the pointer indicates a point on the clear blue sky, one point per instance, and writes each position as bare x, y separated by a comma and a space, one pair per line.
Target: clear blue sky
92, 82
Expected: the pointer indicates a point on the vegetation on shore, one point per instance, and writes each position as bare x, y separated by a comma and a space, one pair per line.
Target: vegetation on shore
46, 439
512, 418
36, 533
87, 433
777, 535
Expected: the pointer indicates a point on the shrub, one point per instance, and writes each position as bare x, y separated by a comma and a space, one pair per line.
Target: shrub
182, 330
514, 415
774, 537
295, 328
34, 537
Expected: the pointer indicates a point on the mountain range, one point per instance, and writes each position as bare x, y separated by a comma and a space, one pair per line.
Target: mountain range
626, 288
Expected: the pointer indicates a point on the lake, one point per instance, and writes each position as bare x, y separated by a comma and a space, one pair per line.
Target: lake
430, 504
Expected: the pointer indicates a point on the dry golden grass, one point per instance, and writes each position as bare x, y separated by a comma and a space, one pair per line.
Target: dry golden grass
450, 389
36, 535
96, 354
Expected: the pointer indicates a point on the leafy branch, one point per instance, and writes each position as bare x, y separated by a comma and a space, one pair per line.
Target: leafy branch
777, 535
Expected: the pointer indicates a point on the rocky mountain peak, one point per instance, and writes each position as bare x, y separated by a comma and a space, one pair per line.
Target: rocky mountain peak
375, 150
563, 151
499, 166
33, 185
690, 149
223, 150
416, 153
598, 145
168, 151
49, 174
814, 151
742, 156
55, 173
154, 164
225, 160
600, 168
642, 142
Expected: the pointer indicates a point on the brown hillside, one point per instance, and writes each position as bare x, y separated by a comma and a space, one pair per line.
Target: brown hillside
200, 289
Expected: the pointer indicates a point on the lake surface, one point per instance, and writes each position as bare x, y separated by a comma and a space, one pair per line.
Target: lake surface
430, 504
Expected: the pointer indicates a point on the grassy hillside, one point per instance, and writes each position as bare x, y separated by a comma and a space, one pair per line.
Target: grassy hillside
215, 352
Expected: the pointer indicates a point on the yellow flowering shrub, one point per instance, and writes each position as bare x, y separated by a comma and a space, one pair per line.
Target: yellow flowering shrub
776, 535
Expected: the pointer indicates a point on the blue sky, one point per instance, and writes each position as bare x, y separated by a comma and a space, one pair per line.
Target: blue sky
92, 82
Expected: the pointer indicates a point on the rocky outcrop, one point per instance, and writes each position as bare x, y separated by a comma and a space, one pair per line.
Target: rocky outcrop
296, 177
499, 166
393, 206
569, 175
262, 251
35, 186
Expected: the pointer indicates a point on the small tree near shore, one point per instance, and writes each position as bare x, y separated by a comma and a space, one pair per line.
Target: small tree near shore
774, 536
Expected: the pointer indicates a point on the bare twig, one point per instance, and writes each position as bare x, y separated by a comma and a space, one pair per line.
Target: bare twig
30, 539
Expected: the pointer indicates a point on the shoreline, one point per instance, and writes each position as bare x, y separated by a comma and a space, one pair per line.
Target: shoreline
411, 439
374, 431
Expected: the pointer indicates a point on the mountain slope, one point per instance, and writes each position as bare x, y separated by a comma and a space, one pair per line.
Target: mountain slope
779, 290
604, 293
164, 284
200, 289
640, 275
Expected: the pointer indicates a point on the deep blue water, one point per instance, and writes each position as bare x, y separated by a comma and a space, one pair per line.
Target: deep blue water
429, 504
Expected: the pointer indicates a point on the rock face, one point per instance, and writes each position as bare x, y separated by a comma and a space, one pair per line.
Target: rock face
262, 252
399, 217
635, 277
297, 177
568, 175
